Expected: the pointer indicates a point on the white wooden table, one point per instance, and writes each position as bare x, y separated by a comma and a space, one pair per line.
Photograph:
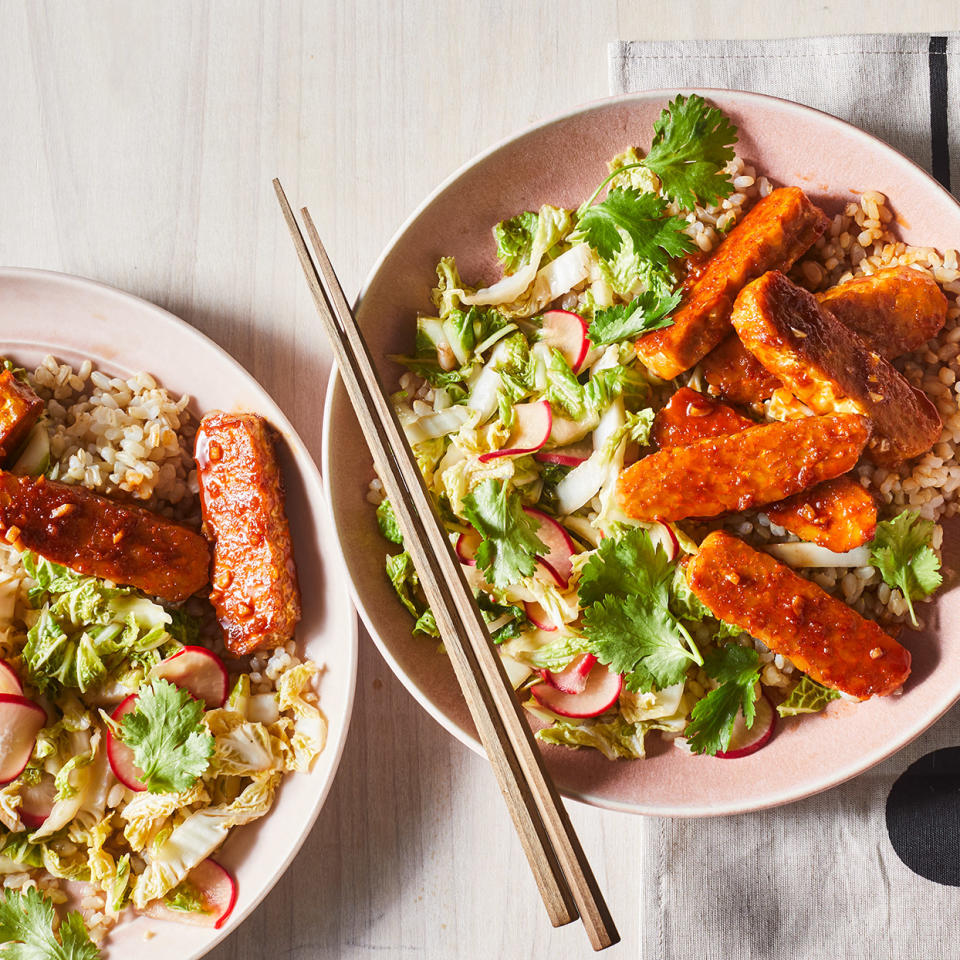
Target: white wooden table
137, 146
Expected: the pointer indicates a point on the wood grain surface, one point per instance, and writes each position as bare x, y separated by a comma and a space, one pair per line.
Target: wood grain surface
138, 144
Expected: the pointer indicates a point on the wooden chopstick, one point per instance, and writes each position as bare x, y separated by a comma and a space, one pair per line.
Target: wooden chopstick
560, 868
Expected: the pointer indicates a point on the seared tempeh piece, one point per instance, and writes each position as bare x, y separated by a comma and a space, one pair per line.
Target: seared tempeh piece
19, 409
99, 537
893, 311
774, 233
838, 514
736, 374
255, 592
831, 369
817, 633
756, 466
690, 416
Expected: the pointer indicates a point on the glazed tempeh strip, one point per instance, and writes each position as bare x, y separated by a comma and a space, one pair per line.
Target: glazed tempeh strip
99, 537
893, 311
255, 591
817, 633
837, 514
774, 233
20, 408
831, 369
756, 466
690, 416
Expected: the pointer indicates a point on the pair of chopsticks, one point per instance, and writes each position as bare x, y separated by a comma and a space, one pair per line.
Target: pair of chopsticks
563, 876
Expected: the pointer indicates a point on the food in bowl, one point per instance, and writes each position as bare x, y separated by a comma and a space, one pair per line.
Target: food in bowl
141, 721
699, 353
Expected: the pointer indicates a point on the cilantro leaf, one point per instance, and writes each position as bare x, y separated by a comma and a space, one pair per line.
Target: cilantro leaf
644, 313
26, 930
515, 239
639, 216
692, 143
638, 637
510, 543
170, 743
712, 718
387, 522
625, 565
902, 553
625, 591
807, 696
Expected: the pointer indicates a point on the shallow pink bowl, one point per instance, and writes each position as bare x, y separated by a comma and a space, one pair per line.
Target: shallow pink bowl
560, 162
77, 319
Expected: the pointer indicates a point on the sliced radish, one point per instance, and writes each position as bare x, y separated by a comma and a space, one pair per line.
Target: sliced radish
20, 722
36, 801
743, 742
199, 671
573, 677
571, 455
467, 544
538, 616
599, 694
9, 681
557, 561
662, 534
120, 755
567, 332
217, 891
531, 430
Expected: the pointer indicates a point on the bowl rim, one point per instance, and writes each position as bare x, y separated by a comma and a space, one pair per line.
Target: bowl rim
311, 477
334, 385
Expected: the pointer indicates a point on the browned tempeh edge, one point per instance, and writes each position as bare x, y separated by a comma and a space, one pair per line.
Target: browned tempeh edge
559, 865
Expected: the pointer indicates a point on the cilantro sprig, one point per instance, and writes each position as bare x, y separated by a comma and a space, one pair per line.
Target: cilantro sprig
692, 143
639, 216
170, 744
625, 321
26, 930
510, 543
902, 553
625, 592
712, 718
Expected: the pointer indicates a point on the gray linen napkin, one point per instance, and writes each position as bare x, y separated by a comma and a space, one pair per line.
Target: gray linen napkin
869, 870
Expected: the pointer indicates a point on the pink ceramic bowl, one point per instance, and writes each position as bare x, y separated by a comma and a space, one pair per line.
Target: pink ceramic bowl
560, 162
75, 319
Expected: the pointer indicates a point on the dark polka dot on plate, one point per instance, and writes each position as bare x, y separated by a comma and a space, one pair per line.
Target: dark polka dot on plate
923, 816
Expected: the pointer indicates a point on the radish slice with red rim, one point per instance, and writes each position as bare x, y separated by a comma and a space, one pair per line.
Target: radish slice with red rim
199, 671
120, 755
20, 722
573, 677
557, 561
466, 547
662, 534
599, 694
532, 423
538, 616
566, 332
9, 681
571, 455
217, 891
36, 801
743, 742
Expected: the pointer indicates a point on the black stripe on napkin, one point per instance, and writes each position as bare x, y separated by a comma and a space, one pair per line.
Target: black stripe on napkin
939, 142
